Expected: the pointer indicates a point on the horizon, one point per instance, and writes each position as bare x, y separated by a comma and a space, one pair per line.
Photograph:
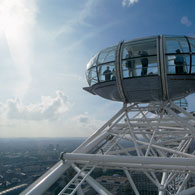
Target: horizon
45, 47
43, 138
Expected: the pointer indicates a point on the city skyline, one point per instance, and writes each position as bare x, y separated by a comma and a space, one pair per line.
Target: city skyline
45, 47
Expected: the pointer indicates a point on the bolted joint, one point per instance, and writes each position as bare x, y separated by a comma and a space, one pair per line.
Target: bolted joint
62, 156
161, 188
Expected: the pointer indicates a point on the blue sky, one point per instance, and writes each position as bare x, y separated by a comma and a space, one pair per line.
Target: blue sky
45, 46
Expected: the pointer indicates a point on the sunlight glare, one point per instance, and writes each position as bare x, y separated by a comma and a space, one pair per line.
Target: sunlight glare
16, 21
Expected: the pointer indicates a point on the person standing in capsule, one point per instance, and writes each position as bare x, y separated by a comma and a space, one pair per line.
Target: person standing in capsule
144, 62
179, 63
107, 73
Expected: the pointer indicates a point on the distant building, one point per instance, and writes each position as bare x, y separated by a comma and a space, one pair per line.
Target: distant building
32, 168
14, 190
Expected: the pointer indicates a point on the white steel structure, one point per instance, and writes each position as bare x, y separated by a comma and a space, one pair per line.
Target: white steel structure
147, 75
159, 137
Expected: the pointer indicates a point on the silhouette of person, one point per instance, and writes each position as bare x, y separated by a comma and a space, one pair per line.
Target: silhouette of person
107, 73
130, 64
144, 61
179, 63
113, 74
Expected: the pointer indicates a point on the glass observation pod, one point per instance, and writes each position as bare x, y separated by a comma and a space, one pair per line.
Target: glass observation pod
182, 103
157, 68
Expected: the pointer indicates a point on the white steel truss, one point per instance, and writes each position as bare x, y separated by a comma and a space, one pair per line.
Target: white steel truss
158, 137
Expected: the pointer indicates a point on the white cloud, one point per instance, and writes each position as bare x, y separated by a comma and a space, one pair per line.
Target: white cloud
86, 122
49, 109
52, 117
83, 119
128, 3
185, 21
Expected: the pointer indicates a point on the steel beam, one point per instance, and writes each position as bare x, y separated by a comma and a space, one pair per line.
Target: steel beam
134, 161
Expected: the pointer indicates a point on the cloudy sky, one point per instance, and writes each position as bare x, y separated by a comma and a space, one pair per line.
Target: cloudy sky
45, 46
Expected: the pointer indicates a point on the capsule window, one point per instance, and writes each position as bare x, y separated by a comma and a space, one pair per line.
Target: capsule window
193, 64
92, 62
144, 66
139, 58
92, 76
107, 55
178, 64
107, 72
139, 48
192, 44
182, 103
175, 45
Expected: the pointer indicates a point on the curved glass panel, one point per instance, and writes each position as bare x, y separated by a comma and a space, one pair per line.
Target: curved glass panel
178, 64
176, 45
139, 58
140, 67
107, 55
106, 72
192, 44
193, 64
139, 48
92, 76
92, 62
182, 103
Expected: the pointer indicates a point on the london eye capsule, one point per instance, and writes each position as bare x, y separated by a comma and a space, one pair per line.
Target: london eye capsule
157, 68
